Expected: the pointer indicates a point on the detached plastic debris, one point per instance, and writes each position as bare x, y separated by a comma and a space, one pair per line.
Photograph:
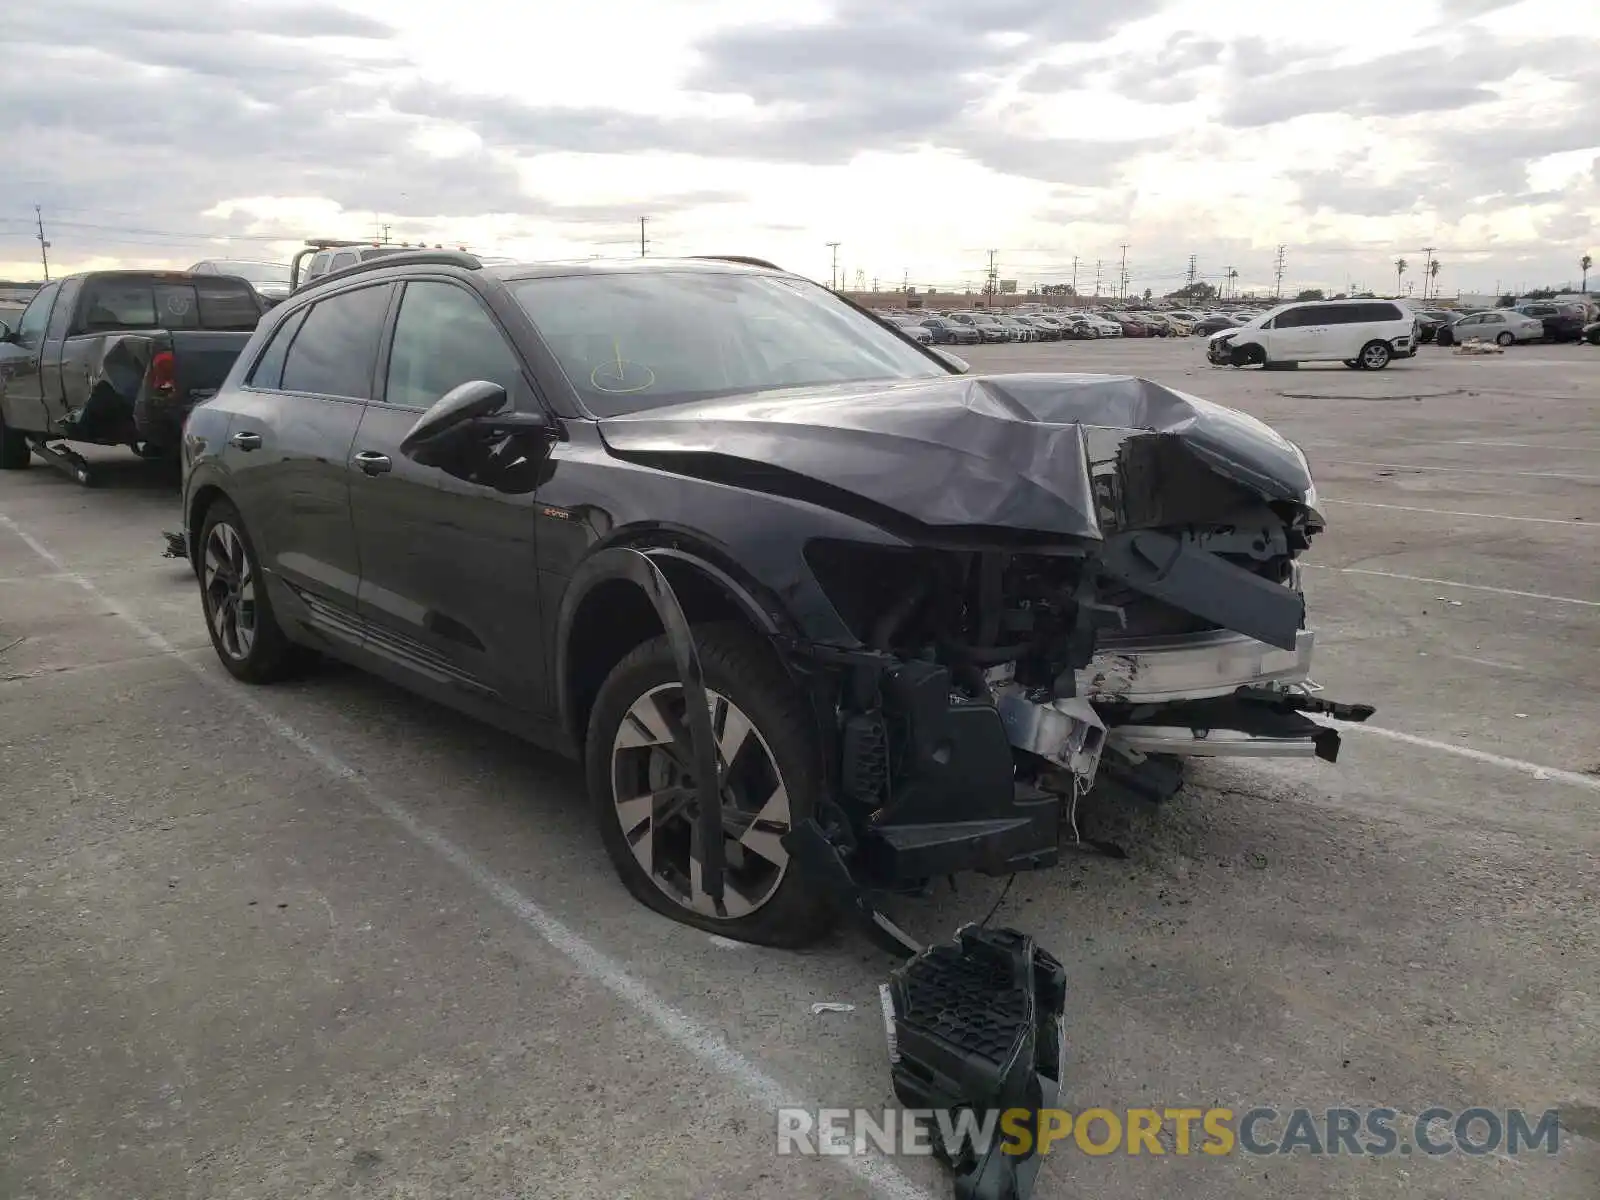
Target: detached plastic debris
824, 1006
177, 545
977, 1024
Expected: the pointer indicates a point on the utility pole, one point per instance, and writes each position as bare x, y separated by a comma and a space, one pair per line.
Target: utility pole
1427, 265
1277, 288
1190, 286
991, 281
1097, 279
874, 283
642, 220
833, 275
1074, 274
905, 281
44, 246
1228, 276
1123, 274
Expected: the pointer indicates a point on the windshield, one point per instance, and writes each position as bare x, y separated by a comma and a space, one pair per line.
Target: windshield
255, 272
631, 341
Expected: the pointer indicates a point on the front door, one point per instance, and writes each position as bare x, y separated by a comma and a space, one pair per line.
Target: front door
21, 397
288, 450
449, 586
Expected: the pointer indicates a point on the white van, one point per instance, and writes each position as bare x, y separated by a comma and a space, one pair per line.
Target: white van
1362, 334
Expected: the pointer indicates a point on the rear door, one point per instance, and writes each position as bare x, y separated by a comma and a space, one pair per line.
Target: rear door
449, 583
294, 419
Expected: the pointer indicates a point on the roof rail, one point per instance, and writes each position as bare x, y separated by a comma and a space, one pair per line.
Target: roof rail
415, 258
738, 258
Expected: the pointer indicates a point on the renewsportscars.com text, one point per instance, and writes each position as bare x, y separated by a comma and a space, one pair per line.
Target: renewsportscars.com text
1215, 1132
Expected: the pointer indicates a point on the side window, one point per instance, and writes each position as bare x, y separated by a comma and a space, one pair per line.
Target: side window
1293, 318
227, 304
30, 330
268, 371
112, 303
337, 347
316, 265
202, 268
444, 338
61, 316
343, 259
1378, 312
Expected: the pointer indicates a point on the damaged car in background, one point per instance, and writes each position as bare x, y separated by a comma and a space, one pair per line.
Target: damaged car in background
825, 616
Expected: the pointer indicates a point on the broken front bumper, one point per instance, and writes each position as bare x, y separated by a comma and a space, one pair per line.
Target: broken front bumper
1160, 670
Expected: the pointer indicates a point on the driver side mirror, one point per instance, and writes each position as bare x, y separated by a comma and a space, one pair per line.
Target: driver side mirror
954, 361
461, 404
7, 333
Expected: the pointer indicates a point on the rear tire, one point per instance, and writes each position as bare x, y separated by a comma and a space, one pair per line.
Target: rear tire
238, 611
1375, 356
1504, 338
778, 755
14, 452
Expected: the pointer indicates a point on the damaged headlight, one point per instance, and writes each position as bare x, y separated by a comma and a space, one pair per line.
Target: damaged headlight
1311, 487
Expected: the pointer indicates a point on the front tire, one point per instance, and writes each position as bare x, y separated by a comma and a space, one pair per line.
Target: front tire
238, 612
1375, 356
1505, 338
14, 452
643, 799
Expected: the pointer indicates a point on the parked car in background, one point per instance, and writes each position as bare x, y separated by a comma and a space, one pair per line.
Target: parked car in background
1104, 326
1077, 326
1205, 326
117, 358
990, 329
323, 256
1431, 320
1503, 326
1591, 333
269, 279
912, 329
1364, 334
947, 331
1020, 331
1562, 322
1131, 325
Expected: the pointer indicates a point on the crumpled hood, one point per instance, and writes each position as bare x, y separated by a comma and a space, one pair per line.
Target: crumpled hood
1058, 454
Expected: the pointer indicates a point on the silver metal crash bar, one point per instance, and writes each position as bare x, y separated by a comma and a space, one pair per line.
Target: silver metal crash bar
1201, 666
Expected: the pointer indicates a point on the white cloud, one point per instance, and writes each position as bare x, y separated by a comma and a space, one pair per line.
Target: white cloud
918, 136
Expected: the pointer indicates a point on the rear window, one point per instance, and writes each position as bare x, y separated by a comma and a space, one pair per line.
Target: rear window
211, 302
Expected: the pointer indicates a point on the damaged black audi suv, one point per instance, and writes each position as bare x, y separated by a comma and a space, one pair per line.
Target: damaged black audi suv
825, 615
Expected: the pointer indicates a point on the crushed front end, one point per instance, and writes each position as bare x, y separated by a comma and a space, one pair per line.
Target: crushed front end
997, 680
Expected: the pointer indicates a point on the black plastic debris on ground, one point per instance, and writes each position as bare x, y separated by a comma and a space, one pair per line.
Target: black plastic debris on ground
977, 1024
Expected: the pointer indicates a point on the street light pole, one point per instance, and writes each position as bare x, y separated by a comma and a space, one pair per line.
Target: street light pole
833, 274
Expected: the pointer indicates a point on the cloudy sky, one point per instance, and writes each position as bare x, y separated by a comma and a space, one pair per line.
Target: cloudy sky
920, 135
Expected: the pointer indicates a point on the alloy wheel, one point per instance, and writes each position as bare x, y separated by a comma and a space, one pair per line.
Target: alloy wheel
1374, 357
230, 591
657, 805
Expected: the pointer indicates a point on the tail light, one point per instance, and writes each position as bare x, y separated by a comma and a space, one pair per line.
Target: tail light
161, 376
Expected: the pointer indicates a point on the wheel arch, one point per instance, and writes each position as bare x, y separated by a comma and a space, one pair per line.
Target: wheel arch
622, 596
200, 503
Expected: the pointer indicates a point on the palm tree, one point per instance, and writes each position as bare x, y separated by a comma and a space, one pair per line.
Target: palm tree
1400, 266
1433, 277
1586, 262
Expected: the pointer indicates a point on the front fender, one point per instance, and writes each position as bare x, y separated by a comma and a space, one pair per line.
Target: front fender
621, 562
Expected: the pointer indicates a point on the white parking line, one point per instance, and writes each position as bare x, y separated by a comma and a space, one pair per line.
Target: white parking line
1555, 774
1492, 442
881, 1176
1473, 587
1356, 462
1448, 512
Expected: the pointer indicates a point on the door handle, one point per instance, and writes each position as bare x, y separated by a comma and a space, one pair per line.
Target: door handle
245, 441
373, 463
